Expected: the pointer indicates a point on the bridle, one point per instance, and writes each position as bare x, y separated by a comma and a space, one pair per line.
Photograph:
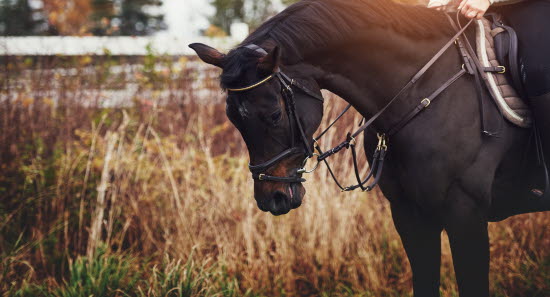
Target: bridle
470, 66
287, 91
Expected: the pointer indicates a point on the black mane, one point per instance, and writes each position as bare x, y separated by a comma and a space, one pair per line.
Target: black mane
313, 24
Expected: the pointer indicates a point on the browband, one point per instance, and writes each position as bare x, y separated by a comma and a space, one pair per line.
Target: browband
256, 48
263, 81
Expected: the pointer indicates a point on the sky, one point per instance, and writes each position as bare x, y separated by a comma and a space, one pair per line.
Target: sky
186, 17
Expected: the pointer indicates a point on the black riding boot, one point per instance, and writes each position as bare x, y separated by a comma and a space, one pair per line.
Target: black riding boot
540, 107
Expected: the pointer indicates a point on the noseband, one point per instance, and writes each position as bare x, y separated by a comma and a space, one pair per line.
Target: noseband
287, 91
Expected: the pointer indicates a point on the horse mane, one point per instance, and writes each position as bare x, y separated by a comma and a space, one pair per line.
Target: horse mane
313, 24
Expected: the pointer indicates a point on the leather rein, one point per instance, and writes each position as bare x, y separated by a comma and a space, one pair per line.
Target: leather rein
288, 86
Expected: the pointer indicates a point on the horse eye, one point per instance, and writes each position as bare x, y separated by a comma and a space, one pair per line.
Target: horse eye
276, 116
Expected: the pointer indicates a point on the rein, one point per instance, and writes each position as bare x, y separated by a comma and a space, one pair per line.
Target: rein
287, 84
383, 138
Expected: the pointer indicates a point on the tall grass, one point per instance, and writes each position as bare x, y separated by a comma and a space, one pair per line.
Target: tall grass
155, 199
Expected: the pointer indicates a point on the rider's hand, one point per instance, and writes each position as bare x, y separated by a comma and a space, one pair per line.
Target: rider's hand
474, 8
438, 4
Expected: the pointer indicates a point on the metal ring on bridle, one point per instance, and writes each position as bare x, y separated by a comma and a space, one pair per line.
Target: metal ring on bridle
304, 170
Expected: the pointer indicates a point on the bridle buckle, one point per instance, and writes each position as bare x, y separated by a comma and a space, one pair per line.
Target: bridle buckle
426, 102
382, 142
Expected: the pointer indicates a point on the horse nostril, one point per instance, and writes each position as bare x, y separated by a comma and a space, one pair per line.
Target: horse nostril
262, 206
279, 197
279, 202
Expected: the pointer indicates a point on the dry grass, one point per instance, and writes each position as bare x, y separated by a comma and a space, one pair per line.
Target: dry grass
151, 187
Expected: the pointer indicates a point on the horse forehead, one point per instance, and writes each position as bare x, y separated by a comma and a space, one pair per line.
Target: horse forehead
243, 109
239, 70
246, 105
241, 105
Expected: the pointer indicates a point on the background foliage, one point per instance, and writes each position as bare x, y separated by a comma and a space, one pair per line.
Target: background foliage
123, 179
18, 18
80, 17
252, 12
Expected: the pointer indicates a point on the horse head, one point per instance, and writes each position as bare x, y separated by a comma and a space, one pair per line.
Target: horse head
276, 115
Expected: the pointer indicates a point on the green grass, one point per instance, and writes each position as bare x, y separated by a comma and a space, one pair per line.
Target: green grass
113, 275
177, 216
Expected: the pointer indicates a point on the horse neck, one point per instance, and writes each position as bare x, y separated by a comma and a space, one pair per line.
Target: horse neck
368, 72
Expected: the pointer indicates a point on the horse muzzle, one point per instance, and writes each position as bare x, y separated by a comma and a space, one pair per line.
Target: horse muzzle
282, 200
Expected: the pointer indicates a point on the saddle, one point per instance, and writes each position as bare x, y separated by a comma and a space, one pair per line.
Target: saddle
497, 50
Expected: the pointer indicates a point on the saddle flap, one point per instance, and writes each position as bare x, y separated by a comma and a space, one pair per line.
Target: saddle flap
506, 48
494, 53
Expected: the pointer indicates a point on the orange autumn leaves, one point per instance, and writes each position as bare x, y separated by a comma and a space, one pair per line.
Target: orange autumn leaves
69, 17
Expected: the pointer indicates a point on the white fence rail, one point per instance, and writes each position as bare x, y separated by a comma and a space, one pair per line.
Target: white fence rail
123, 46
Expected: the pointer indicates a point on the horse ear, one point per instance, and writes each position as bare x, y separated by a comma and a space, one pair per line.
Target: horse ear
208, 54
272, 61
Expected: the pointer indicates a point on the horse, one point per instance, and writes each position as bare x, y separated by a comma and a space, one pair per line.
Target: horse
441, 172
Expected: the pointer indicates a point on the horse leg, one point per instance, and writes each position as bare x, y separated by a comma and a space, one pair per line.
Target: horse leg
466, 224
422, 241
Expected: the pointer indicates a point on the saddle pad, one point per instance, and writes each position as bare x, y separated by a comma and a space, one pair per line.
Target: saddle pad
507, 99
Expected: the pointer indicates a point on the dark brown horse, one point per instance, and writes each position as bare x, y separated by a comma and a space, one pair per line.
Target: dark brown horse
441, 171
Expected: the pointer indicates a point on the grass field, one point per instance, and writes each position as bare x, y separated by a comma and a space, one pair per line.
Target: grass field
153, 198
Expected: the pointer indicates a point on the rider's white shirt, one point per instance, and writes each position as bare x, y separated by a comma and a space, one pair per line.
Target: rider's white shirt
452, 5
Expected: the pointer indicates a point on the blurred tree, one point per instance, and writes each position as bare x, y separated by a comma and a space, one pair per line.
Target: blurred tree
214, 31
227, 11
70, 17
252, 12
288, 2
18, 18
127, 17
140, 17
103, 12
257, 11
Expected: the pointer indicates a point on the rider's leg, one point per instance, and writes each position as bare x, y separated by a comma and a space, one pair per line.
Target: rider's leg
531, 20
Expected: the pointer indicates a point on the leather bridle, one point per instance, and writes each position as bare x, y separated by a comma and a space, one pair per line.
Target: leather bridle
287, 90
